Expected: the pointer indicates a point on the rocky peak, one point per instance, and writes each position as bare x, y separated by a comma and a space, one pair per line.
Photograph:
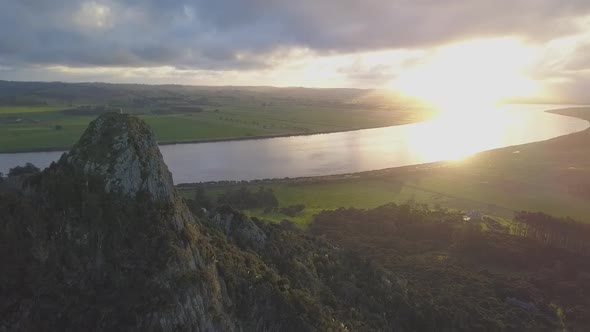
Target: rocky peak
118, 156
122, 150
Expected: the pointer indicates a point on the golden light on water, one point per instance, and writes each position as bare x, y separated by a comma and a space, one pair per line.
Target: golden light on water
464, 82
453, 136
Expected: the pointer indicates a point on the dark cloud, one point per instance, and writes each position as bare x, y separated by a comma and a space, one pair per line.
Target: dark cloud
240, 34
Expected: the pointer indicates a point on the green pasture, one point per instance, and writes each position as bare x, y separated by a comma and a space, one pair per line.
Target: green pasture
44, 128
16, 110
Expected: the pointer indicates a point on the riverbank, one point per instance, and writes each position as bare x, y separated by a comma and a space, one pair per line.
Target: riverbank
181, 126
551, 176
211, 140
54, 130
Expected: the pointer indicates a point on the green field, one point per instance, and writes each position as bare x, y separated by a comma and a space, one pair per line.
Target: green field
551, 176
16, 110
190, 113
367, 193
37, 130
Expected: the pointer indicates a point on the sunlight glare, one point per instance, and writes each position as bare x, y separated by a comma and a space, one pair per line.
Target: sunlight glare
465, 82
460, 77
454, 136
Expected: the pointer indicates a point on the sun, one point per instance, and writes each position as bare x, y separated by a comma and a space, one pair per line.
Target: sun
470, 76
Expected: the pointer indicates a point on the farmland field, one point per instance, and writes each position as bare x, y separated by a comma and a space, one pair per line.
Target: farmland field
192, 114
15, 110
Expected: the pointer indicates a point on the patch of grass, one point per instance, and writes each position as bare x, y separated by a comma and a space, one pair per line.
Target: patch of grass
185, 127
35, 128
29, 109
323, 118
358, 193
42, 134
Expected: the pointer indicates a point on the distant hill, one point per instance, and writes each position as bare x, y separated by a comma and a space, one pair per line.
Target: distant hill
132, 95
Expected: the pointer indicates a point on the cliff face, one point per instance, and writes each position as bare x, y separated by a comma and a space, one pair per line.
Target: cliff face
101, 240
122, 150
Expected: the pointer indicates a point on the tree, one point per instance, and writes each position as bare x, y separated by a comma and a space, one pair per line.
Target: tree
201, 198
244, 198
28, 168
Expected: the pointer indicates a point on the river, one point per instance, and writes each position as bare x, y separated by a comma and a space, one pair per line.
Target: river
353, 151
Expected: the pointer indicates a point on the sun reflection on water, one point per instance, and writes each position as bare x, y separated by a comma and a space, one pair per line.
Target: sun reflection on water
456, 135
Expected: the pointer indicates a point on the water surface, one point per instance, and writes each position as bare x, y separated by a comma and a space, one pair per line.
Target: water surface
353, 151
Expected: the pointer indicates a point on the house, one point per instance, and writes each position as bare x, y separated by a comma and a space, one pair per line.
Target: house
473, 215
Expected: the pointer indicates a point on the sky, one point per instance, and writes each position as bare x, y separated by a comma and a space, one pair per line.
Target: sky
427, 48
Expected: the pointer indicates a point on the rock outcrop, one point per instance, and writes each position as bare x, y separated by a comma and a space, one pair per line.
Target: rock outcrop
124, 192
122, 150
242, 230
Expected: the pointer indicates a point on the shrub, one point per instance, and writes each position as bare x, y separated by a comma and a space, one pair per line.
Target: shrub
292, 210
243, 198
28, 168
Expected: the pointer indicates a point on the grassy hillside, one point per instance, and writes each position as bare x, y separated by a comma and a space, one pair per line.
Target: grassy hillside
551, 176
42, 116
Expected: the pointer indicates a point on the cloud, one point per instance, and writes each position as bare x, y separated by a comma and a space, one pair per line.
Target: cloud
358, 43
93, 15
251, 34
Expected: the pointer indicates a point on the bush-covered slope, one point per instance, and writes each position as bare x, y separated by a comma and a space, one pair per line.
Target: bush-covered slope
462, 278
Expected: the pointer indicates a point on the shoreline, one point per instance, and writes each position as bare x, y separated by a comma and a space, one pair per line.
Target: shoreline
253, 138
213, 140
358, 175
322, 178
569, 112
380, 172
